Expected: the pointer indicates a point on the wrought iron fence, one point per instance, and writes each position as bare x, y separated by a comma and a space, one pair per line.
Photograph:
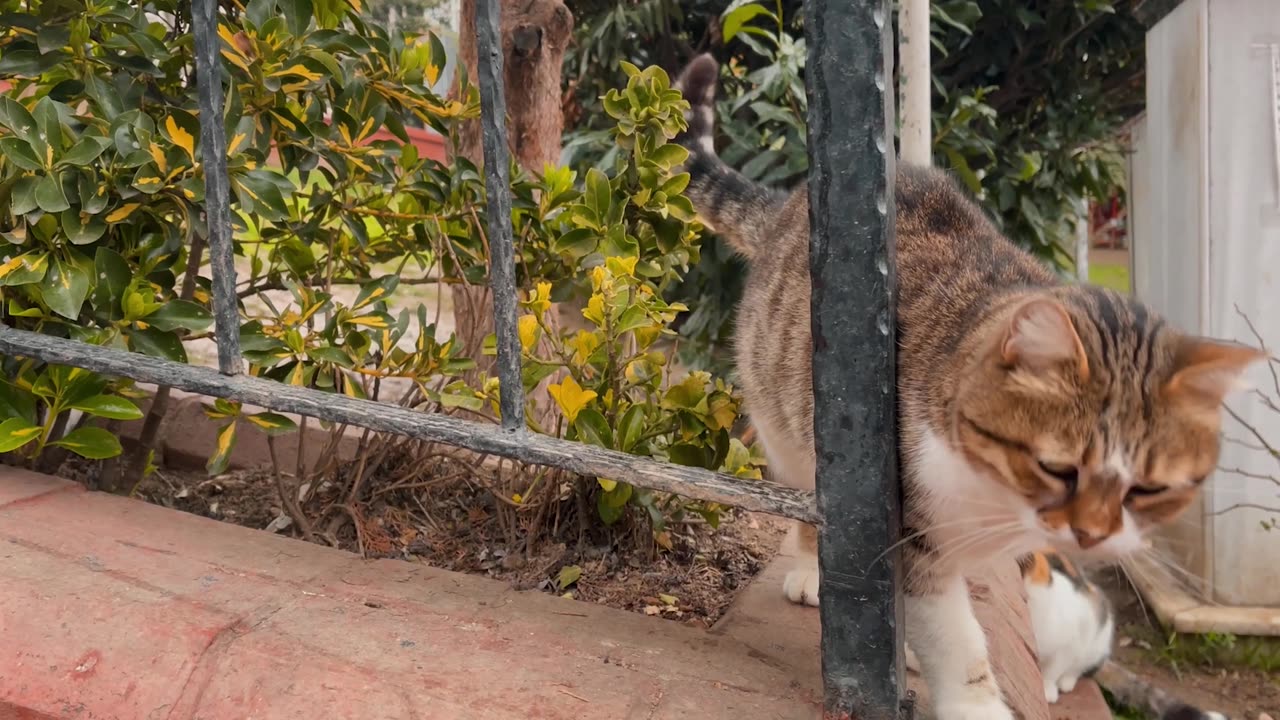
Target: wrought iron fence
856, 505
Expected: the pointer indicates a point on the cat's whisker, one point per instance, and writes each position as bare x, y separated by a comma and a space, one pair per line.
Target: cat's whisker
973, 539
939, 526
1123, 565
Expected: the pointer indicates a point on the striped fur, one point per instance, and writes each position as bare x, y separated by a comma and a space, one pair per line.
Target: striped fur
1031, 413
739, 210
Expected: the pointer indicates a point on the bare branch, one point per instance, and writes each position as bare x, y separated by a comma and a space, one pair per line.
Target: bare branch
1266, 446
1255, 476
1262, 344
1243, 505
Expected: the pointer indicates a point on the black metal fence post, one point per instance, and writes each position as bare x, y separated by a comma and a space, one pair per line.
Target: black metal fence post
851, 214
217, 186
497, 184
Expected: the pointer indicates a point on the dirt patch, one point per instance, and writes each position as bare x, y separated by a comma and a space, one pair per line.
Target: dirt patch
1189, 667
454, 525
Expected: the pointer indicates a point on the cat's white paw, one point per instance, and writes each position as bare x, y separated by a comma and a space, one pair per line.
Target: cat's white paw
973, 708
801, 585
1050, 692
1068, 683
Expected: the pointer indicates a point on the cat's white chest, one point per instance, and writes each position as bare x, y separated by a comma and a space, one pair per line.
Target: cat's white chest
973, 518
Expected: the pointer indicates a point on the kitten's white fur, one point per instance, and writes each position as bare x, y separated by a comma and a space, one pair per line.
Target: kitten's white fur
1074, 633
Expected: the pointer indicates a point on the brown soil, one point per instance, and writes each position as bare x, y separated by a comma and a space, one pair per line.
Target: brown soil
1240, 692
454, 525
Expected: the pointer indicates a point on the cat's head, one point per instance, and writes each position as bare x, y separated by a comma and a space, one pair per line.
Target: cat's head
1102, 419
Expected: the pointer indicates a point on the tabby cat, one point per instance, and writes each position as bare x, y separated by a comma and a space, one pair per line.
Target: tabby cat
1031, 413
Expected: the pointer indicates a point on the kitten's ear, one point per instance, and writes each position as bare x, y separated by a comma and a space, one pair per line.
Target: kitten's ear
1040, 335
1208, 370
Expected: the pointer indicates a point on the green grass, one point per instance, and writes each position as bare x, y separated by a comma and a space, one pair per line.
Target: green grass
1115, 277
1217, 651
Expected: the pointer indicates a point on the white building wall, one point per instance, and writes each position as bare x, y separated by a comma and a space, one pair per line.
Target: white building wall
1206, 239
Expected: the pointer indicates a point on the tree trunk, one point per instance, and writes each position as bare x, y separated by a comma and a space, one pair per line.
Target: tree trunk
535, 35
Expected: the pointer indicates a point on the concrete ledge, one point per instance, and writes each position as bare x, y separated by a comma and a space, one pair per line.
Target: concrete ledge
114, 609
1185, 613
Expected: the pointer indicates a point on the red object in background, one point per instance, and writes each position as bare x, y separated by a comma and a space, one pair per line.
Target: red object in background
1107, 223
430, 143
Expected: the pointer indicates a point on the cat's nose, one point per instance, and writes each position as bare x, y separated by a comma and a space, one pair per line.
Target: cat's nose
1087, 538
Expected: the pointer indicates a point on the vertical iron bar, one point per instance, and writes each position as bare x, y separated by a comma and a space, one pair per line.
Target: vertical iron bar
217, 188
851, 215
497, 183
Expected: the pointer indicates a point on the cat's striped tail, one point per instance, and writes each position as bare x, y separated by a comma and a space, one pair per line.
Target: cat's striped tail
737, 209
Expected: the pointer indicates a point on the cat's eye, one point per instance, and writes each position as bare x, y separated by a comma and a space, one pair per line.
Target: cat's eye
1138, 491
1066, 473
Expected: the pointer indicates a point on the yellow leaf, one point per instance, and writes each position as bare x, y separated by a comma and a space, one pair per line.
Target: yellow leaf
181, 137
225, 438
600, 280
595, 310
286, 122
540, 298
517, 498
233, 147
147, 182
373, 295
372, 321
607, 484
583, 344
10, 266
157, 154
25, 432
235, 59
297, 69
622, 266
528, 326
571, 398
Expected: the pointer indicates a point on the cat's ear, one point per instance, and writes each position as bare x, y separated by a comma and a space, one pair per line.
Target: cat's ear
1040, 335
1207, 370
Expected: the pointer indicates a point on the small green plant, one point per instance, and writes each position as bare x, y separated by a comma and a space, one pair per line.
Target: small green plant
628, 235
1216, 651
37, 405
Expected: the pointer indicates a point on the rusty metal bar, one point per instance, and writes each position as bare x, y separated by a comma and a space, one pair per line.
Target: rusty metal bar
217, 186
851, 216
690, 482
497, 183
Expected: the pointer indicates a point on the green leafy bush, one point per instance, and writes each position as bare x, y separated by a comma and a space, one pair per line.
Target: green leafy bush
336, 228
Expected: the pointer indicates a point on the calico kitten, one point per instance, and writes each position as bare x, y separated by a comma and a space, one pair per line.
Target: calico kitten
1072, 620
1031, 413
1074, 627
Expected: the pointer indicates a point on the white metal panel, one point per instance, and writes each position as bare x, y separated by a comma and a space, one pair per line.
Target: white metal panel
1244, 271
1171, 208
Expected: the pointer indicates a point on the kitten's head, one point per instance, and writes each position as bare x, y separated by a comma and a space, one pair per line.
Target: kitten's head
1100, 417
